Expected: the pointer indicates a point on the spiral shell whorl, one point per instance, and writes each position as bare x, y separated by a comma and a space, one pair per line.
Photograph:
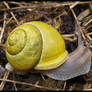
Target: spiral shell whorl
16, 41
24, 47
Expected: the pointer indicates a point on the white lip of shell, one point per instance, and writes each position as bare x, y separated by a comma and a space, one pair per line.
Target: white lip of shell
9, 67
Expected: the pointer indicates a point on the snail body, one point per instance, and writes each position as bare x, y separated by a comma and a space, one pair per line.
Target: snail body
35, 45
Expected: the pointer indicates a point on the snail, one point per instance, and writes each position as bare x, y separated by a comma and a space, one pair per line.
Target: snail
40, 47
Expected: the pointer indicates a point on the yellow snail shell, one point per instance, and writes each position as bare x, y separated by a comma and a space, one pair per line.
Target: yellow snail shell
35, 45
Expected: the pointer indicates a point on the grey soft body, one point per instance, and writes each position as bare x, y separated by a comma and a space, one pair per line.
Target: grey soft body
73, 67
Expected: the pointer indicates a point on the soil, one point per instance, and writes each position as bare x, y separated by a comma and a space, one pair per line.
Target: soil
59, 17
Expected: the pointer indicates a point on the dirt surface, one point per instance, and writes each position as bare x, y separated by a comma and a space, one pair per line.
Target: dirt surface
57, 14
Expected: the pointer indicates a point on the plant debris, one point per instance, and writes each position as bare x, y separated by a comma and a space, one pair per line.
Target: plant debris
59, 15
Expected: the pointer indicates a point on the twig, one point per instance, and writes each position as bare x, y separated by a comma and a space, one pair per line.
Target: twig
9, 21
88, 22
77, 21
71, 39
17, 3
29, 84
74, 15
80, 2
84, 14
4, 78
73, 5
90, 26
52, 5
89, 33
88, 89
37, 83
64, 86
68, 35
11, 12
3, 29
42, 77
14, 82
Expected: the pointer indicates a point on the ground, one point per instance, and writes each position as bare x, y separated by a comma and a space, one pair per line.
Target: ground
60, 16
